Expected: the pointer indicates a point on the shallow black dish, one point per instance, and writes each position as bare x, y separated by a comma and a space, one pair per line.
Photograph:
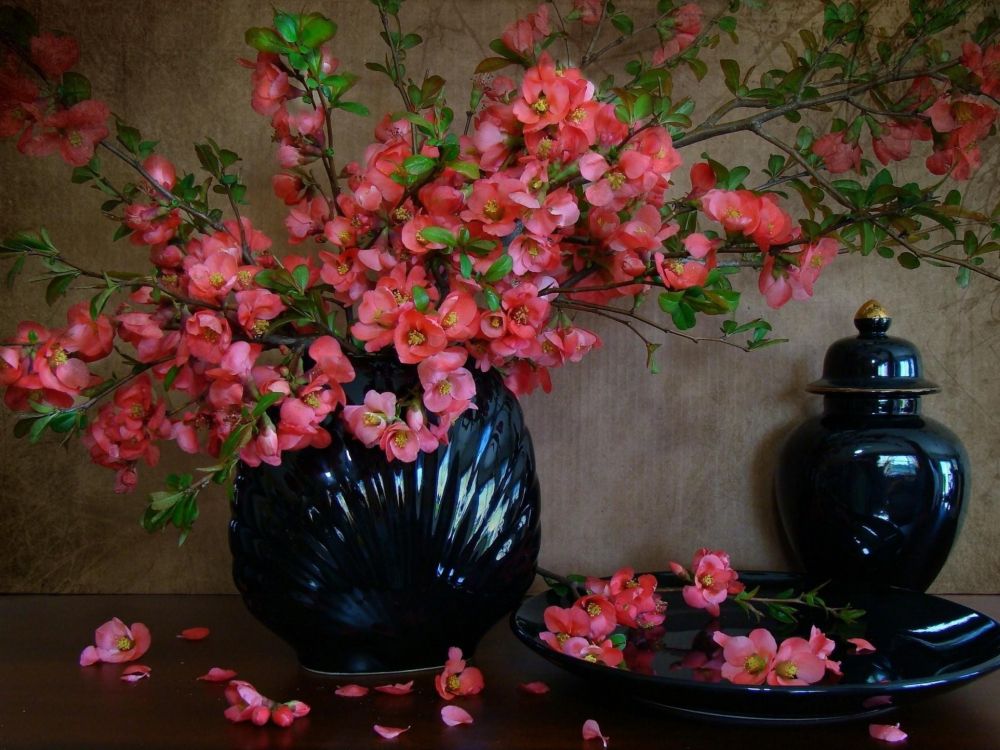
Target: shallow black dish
926, 645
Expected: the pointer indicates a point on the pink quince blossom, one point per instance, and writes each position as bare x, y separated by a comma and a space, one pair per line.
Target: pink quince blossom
457, 678
838, 154
796, 664
448, 387
116, 642
74, 132
54, 54
748, 659
369, 421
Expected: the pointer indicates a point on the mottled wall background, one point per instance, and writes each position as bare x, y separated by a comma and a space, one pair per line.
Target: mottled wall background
635, 467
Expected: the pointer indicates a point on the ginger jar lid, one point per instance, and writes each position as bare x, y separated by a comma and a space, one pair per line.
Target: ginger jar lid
873, 362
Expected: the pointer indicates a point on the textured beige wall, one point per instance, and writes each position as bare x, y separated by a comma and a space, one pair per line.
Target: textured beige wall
634, 467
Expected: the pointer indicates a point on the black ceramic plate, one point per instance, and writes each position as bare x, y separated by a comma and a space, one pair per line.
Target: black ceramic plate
926, 645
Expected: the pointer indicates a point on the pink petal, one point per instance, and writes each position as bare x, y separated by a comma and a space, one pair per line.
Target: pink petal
135, 672
861, 646
887, 732
453, 716
390, 733
592, 731
194, 634
535, 688
217, 674
351, 691
400, 688
89, 655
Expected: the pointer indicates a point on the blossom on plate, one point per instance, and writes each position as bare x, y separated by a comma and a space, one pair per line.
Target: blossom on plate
748, 659
116, 642
713, 581
795, 663
457, 678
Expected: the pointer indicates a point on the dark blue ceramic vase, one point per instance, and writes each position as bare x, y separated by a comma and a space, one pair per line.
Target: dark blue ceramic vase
871, 491
367, 565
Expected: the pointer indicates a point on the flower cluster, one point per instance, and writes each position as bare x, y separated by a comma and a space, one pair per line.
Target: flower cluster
247, 704
456, 253
757, 658
712, 580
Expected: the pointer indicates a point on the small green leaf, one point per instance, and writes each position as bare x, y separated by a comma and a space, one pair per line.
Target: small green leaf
437, 236
58, 287
731, 71
908, 260
265, 40
316, 29
465, 262
287, 25
74, 89
466, 168
418, 165
170, 377
301, 276
492, 299
491, 64
264, 403
500, 268
420, 298
355, 108
623, 23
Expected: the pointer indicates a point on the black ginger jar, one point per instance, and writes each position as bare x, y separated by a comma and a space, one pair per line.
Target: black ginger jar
871, 491
369, 565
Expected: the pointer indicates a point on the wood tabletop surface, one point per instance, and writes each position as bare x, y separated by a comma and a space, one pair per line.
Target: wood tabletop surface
48, 701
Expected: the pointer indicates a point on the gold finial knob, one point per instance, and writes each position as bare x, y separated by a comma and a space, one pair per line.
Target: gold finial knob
871, 310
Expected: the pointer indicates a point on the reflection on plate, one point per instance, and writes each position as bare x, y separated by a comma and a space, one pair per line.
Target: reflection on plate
926, 645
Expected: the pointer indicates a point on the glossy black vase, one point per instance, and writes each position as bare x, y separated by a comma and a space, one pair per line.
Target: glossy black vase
871, 491
366, 565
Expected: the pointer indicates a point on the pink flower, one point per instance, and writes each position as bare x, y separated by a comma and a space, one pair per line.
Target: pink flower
748, 660
417, 337
206, 336
455, 715
246, 704
796, 664
256, 308
678, 274
53, 54
368, 422
389, 733
458, 316
89, 339
589, 10
983, 64
522, 35
270, 85
448, 387
458, 679
592, 731
351, 691
135, 672
405, 440
887, 732
217, 674
736, 210
330, 360
714, 580
601, 616
564, 624
74, 132
194, 634
115, 642
837, 154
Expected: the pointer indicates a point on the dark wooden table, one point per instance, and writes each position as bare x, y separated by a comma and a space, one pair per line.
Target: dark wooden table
48, 701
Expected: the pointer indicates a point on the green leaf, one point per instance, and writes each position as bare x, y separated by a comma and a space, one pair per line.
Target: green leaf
683, 316
38, 427
209, 161
74, 88
287, 25
774, 164
465, 262
420, 298
466, 168
265, 40
316, 29
129, 137
437, 236
500, 268
300, 274
727, 24
355, 108
492, 299
698, 67
908, 260
264, 403
170, 377
16, 267
623, 23
491, 64
731, 71
100, 300
418, 165
58, 287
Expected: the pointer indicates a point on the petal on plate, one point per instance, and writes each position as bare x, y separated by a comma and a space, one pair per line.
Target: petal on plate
861, 646
194, 634
453, 716
535, 688
217, 674
351, 691
390, 733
